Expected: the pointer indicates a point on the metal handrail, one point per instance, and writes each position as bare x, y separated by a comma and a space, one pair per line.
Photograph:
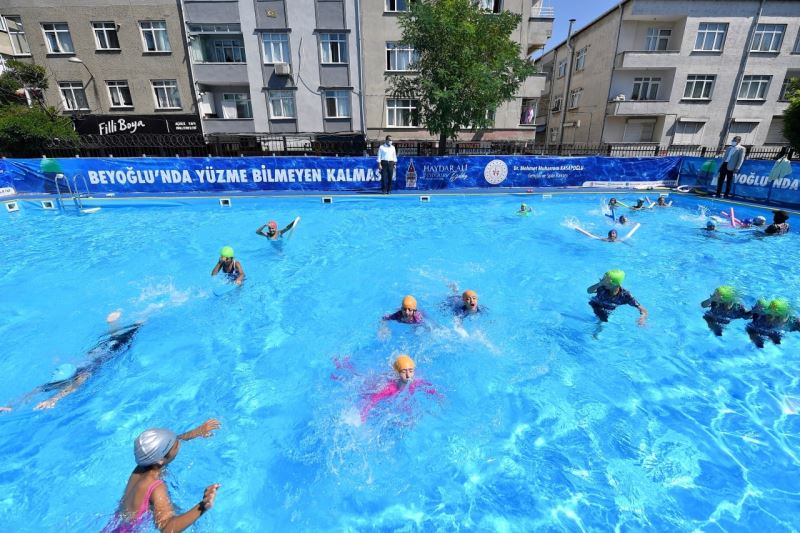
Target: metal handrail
58, 189
77, 196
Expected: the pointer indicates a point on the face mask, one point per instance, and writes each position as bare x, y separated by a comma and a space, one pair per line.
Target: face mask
388, 143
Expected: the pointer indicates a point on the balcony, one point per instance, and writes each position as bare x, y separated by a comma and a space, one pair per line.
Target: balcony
532, 87
221, 73
540, 26
635, 108
647, 60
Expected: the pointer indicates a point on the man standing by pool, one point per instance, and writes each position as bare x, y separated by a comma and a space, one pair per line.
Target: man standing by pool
387, 160
731, 163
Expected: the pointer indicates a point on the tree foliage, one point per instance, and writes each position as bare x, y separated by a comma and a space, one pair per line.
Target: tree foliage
467, 64
791, 115
26, 131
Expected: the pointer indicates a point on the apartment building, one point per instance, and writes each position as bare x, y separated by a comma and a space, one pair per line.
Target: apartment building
275, 66
116, 66
385, 56
674, 73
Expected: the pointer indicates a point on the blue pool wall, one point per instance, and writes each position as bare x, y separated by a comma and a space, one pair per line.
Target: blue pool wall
119, 176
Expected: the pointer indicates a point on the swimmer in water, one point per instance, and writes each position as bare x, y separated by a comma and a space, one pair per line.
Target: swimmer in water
711, 226
68, 378
608, 294
229, 266
639, 205
404, 368
407, 314
779, 225
723, 307
146, 493
524, 210
623, 220
273, 233
662, 202
469, 304
759, 221
771, 320
612, 234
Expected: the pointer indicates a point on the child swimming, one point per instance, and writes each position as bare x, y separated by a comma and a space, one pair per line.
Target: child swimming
609, 294
723, 307
404, 368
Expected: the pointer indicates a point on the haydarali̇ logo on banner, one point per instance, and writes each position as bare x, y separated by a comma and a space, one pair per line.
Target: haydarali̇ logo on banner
496, 171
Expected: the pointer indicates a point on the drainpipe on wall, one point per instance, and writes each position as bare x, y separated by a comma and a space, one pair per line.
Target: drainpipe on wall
739, 76
549, 109
360, 53
571, 50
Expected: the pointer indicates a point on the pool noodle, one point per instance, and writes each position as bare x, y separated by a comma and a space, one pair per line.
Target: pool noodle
631, 232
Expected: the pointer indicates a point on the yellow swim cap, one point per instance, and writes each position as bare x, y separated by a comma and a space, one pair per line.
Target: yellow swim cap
403, 362
409, 302
468, 294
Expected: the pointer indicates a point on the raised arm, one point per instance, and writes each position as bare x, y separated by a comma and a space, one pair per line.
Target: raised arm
706, 302
593, 288
260, 231
217, 267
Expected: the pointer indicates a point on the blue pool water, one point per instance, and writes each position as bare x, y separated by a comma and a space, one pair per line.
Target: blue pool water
546, 422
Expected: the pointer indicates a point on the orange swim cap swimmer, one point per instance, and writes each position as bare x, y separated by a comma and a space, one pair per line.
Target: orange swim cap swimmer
403, 362
272, 224
468, 294
409, 302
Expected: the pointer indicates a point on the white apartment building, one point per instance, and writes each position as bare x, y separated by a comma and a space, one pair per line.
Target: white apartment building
674, 73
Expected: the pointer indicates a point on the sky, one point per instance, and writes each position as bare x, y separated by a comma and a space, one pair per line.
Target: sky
584, 11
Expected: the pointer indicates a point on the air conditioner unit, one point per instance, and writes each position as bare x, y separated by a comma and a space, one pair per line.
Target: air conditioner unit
283, 69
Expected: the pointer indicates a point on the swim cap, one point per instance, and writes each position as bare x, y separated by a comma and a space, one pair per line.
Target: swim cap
759, 220
762, 303
726, 294
779, 307
409, 302
781, 216
711, 224
226, 251
523, 206
616, 277
62, 372
272, 224
623, 218
153, 445
403, 362
748, 221
468, 294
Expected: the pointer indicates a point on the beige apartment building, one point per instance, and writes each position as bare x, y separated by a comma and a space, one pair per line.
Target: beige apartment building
673, 73
384, 55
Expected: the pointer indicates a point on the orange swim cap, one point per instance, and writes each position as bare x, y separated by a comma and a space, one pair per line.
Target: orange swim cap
468, 294
272, 224
409, 302
403, 362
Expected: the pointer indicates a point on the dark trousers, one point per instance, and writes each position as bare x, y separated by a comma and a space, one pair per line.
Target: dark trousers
725, 175
387, 171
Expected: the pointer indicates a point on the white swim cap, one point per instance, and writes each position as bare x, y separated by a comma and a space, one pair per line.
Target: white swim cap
153, 445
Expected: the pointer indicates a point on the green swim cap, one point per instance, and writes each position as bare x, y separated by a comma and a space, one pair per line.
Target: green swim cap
616, 277
762, 302
726, 294
226, 251
779, 307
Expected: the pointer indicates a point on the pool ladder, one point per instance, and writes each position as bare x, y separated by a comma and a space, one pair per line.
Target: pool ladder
77, 196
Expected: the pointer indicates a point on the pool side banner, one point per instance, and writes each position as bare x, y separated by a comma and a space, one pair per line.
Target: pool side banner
755, 180
180, 175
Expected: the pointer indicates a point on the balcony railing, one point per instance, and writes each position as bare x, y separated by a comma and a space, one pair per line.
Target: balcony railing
543, 12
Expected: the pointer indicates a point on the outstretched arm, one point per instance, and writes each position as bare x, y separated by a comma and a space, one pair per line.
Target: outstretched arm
593, 288
642, 314
203, 430
71, 387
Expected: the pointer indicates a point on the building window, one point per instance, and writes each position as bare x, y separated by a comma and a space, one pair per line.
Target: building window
580, 59
557, 103
281, 104
657, 39
495, 6
688, 133
154, 35
562, 68
400, 57
73, 95
645, 88
393, 6
768, 38
754, 87
58, 39
745, 130
333, 47
119, 93
530, 107
639, 130
401, 113
574, 98
105, 35
215, 28
699, 87
229, 51
337, 104
166, 93
236, 105
787, 83
276, 47
19, 43
710, 36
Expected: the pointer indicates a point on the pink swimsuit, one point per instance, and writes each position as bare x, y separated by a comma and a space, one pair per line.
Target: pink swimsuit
120, 525
393, 388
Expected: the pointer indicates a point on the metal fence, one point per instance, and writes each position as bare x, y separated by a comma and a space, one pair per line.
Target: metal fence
194, 145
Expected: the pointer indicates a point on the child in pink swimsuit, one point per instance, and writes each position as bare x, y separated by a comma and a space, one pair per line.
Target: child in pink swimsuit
404, 366
153, 450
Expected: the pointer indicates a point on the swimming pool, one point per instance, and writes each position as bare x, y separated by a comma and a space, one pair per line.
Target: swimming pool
547, 423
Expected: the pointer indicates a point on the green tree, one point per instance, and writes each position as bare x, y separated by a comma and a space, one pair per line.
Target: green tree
791, 116
27, 131
467, 65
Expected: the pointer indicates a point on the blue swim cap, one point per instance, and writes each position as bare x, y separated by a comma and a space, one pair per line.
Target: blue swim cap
63, 371
748, 221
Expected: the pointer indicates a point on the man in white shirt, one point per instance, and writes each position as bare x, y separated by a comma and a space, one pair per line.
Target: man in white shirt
731, 163
387, 159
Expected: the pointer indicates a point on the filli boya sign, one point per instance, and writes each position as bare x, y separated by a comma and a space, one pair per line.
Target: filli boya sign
136, 124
